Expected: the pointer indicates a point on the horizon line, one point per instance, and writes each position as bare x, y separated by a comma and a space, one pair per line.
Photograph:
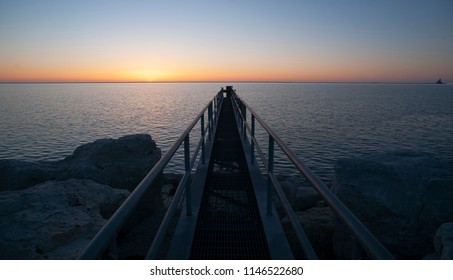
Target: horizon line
214, 82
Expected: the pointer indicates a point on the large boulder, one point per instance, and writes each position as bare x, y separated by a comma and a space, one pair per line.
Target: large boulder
301, 195
402, 197
18, 174
55, 219
443, 242
119, 163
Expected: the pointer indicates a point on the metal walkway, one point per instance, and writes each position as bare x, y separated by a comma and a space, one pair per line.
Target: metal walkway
225, 207
229, 224
227, 221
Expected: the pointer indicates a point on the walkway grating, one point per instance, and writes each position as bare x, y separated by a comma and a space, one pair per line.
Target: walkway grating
229, 225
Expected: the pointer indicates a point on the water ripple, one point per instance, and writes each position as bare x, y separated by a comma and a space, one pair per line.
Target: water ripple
320, 122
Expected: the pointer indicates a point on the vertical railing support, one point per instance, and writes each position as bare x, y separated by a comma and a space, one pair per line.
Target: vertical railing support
252, 138
210, 120
271, 172
244, 116
215, 110
240, 115
203, 160
187, 169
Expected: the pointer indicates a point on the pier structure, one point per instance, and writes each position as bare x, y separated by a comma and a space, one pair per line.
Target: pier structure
224, 205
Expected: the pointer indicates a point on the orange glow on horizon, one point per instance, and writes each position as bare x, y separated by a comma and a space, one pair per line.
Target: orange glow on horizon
68, 41
178, 67
243, 74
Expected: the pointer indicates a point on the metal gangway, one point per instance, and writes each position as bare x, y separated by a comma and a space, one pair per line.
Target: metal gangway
223, 205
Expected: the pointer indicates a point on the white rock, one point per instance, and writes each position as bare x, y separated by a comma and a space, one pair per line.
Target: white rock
54, 220
300, 196
119, 163
17, 174
403, 197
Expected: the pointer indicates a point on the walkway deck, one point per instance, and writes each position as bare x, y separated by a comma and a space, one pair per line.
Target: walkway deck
229, 222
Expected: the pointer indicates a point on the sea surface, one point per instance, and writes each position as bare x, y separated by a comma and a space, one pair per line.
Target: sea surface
319, 122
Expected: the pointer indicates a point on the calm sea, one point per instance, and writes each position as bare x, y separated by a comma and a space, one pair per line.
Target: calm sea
320, 122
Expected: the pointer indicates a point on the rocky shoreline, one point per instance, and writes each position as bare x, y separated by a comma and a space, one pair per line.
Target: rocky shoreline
51, 210
403, 197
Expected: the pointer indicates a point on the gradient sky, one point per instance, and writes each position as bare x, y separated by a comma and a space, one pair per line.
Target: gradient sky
280, 40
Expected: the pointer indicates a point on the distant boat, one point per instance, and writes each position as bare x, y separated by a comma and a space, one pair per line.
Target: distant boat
439, 82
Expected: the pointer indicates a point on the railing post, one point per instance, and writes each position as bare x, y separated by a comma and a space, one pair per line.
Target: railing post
244, 116
238, 110
203, 161
215, 111
271, 171
218, 100
210, 120
187, 169
252, 137
216, 108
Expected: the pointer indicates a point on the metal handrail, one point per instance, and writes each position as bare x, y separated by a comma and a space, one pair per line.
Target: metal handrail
107, 234
298, 230
368, 241
165, 224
